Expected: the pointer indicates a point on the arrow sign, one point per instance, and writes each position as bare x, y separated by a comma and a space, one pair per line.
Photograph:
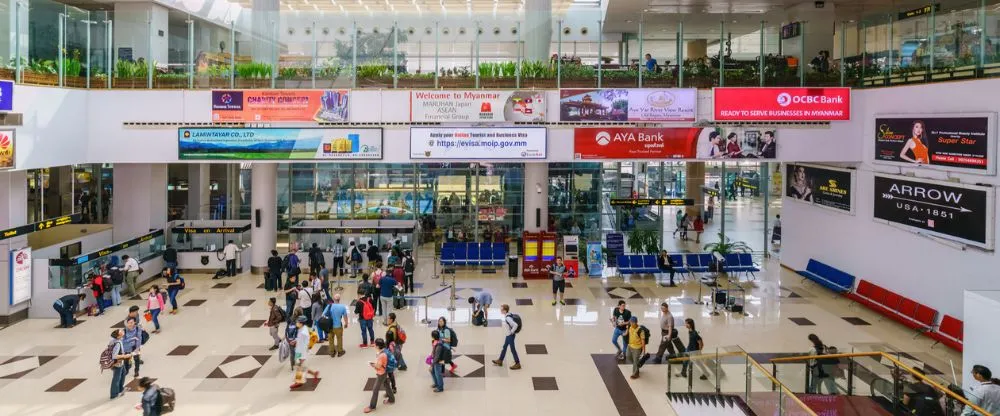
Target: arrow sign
960, 209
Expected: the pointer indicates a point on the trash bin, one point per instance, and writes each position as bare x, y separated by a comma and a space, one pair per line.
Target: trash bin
512, 267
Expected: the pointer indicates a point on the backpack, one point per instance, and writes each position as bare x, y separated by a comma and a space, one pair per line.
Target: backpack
292, 263
355, 255
400, 335
117, 276
644, 333
284, 315
408, 265
324, 322
183, 283
165, 399
397, 273
367, 311
97, 286
390, 362
313, 338
827, 349
454, 338
517, 320
107, 357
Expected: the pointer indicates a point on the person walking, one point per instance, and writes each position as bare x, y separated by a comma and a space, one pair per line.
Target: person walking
317, 260
66, 307
409, 269
338, 259
381, 376
439, 356
170, 257
131, 343
394, 339
118, 370
557, 272
315, 311
275, 317
821, 369
339, 322
303, 300
694, 347
154, 305
666, 266
448, 339
174, 283
636, 346
710, 209
620, 318
301, 353
273, 279
366, 317
668, 333
131, 269
151, 403
699, 227
230, 253
678, 221
510, 329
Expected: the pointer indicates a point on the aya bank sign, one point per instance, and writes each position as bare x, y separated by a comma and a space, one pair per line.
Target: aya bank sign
782, 104
635, 143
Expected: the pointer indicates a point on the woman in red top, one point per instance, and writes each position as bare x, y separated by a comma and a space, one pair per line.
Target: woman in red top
97, 287
699, 227
732, 147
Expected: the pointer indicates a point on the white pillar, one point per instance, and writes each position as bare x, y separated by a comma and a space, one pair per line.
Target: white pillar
536, 197
818, 28
538, 27
264, 17
133, 30
263, 214
13, 213
139, 201
199, 191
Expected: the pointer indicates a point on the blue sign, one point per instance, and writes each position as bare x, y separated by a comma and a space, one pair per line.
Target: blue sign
616, 247
595, 258
6, 95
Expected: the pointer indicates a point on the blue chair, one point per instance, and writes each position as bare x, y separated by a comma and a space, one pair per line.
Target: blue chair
693, 262
635, 261
499, 254
746, 260
448, 255
476, 254
705, 259
462, 255
678, 260
828, 276
732, 263
649, 264
623, 265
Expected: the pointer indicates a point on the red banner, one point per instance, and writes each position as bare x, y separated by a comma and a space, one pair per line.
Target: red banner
782, 104
636, 143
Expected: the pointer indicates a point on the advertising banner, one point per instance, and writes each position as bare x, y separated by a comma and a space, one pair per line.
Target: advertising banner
280, 144
6, 95
963, 142
596, 143
7, 149
253, 106
782, 104
595, 258
821, 186
952, 211
628, 104
477, 106
478, 143
20, 275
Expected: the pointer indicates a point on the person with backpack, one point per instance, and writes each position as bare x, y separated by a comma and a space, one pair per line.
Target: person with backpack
448, 339
113, 358
273, 279
637, 340
366, 317
275, 317
381, 376
439, 356
920, 398
170, 257
154, 305
97, 288
480, 307
668, 335
373, 255
694, 347
511, 327
292, 334
822, 369
355, 258
291, 263
409, 269
131, 343
337, 313
386, 286
338, 259
117, 278
66, 306
152, 403
302, 342
174, 285
395, 337
317, 260
132, 270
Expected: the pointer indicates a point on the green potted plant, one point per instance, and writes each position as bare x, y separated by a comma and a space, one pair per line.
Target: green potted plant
129, 74
72, 69
40, 72
644, 241
253, 74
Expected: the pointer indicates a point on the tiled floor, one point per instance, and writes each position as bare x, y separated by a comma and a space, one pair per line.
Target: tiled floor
216, 355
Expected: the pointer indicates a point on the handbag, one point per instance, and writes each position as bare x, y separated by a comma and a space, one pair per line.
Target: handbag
148, 316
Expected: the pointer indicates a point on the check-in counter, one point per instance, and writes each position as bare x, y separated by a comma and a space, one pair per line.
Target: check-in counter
199, 244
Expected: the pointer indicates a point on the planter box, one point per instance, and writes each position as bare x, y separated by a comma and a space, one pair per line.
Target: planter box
6, 73
657, 83
540, 83
28, 77
203, 82
457, 82
75, 82
416, 83
254, 82
375, 83
620, 83
130, 83
170, 84
579, 83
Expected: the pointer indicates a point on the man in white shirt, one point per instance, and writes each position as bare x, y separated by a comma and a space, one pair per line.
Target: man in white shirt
230, 252
338, 259
299, 357
510, 329
667, 333
131, 270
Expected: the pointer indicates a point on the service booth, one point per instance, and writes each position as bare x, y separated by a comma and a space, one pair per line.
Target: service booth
325, 234
199, 244
539, 252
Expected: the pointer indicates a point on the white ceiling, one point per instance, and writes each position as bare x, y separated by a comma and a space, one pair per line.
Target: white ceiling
376, 7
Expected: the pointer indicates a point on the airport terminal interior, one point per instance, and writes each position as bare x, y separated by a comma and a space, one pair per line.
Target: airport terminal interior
533, 207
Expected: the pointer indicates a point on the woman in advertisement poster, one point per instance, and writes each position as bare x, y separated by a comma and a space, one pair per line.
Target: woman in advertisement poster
733, 150
917, 145
798, 186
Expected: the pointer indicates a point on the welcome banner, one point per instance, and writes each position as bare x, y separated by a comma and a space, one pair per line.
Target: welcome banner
477, 106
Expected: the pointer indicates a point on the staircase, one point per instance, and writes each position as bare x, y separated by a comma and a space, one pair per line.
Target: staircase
707, 404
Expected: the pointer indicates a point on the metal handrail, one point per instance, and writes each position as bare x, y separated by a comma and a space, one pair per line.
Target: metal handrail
425, 297
895, 361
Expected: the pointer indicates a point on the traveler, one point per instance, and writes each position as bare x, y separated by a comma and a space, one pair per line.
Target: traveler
448, 340
338, 259
154, 305
151, 404
699, 227
170, 257
230, 252
822, 370
116, 276
338, 317
304, 299
922, 399
291, 334
683, 224
710, 209
174, 283
439, 356
272, 281
324, 284
301, 352
666, 265
66, 307
385, 284
557, 272
511, 327
366, 317
373, 255
97, 288
132, 270
381, 376
131, 343
291, 289
776, 232
355, 258
986, 395
480, 308
393, 260
316, 282
409, 269
394, 339
317, 260
620, 321
118, 355
636, 345
275, 317
668, 334
291, 264
694, 347
315, 311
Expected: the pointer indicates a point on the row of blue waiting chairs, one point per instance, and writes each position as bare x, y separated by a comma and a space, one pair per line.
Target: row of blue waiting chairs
686, 263
473, 254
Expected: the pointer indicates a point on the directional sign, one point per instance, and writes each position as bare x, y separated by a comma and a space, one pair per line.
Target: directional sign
646, 202
38, 226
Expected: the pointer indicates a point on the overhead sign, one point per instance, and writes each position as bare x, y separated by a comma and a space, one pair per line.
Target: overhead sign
646, 202
210, 230
350, 230
473, 143
252, 106
38, 226
20, 275
83, 258
821, 186
280, 144
628, 104
7, 160
791, 30
636, 143
953, 211
6, 95
782, 104
950, 142
920, 11
477, 106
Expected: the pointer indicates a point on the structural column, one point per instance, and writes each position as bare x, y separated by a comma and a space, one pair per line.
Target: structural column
694, 180
139, 202
263, 214
13, 213
538, 29
142, 29
262, 27
536, 197
817, 28
199, 191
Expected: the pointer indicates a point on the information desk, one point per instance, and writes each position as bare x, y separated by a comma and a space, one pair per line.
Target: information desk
199, 244
325, 233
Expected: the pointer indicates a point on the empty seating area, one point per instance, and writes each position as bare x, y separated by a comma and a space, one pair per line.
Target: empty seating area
894, 306
949, 333
827, 276
456, 254
686, 263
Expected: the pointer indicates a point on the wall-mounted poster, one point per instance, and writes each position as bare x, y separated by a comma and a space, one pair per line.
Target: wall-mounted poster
821, 186
964, 142
948, 210
477, 143
280, 144
628, 104
610, 143
781, 103
254, 106
477, 106
20, 275
7, 154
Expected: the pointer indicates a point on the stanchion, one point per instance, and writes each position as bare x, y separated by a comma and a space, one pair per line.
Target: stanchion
426, 319
451, 308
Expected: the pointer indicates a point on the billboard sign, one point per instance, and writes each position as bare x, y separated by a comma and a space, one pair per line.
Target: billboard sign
254, 106
477, 106
628, 104
821, 186
948, 210
473, 143
20, 275
947, 142
782, 104
610, 143
280, 144
7, 154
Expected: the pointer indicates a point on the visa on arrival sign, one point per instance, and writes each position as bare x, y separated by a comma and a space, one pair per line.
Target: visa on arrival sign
477, 106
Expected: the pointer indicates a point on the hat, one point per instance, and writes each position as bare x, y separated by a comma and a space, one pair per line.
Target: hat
634, 319
302, 320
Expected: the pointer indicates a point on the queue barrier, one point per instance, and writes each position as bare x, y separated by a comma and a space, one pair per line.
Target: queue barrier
426, 319
827, 276
473, 254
